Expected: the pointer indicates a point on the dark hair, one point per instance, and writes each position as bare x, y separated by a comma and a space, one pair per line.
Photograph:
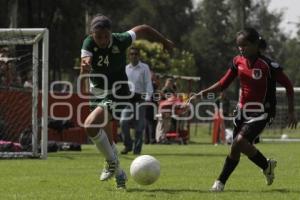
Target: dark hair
134, 49
251, 35
263, 44
100, 21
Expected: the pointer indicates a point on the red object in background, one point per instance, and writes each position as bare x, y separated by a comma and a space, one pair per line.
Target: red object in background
62, 110
180, 136
218, 135
15, 107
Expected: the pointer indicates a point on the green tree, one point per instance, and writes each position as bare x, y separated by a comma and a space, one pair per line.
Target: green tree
173, 18
210, 40
270, 30
179, 63
292, 60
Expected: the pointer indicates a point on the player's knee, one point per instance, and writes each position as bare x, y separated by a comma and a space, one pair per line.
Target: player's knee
237, 143
90, 127
92, 123
87, 125
240, 140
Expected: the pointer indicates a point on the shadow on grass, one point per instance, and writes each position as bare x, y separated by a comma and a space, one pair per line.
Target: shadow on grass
131, 157
191, 154
275, 190
167, 190
281, 190
72, 155
175, 191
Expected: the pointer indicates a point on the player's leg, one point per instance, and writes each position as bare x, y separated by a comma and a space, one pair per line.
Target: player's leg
96, 125
253, 130
231, 161
126, 117
139, 128
267, 165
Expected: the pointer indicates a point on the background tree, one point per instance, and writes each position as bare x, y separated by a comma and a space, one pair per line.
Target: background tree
210, 40
173, 18
180, 62
291, 62
204, 33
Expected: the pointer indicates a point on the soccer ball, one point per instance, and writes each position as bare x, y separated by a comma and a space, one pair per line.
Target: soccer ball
145, 170
284, 136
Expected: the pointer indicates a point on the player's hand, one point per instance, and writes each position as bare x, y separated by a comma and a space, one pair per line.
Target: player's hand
292, 120
195, 96
186, 106
85, 66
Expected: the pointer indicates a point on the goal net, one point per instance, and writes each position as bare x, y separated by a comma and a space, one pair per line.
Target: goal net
23, 92
278, 131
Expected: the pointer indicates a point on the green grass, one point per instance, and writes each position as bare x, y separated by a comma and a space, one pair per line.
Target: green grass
187, 172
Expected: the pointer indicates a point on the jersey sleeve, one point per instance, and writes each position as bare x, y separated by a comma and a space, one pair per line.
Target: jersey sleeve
230, 75
280, 76
283, 80
227, 78
86, 49
125, 38
233, 65
275, 66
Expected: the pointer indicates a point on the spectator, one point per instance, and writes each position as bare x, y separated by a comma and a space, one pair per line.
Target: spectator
169, 89
139, 77
164, 120
150, 118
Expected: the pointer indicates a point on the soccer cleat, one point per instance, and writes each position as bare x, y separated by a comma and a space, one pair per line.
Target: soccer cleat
218, 186
109, 170
269, 172
125, 151
121, 179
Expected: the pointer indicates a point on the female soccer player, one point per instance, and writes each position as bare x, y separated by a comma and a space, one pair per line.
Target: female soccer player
257, 103
103, 55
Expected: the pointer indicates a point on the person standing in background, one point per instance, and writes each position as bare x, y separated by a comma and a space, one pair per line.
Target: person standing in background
140, 84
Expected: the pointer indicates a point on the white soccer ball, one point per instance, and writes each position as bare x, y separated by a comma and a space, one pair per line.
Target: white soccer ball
284, 136
145, 170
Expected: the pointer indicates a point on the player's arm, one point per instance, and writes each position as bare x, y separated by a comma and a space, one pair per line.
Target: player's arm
85, 67
151, 34
283, 80
219, 86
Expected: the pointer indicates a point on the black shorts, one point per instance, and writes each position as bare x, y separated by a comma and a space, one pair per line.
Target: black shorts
250, 126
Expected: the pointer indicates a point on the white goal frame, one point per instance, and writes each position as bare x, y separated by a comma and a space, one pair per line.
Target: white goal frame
37, 35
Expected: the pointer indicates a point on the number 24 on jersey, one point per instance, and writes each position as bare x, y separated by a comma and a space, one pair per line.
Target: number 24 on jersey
103, 60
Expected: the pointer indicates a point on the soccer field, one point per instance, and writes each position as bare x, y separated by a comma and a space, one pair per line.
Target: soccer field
187, 172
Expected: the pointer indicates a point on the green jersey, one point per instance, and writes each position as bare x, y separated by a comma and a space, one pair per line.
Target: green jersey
110, 61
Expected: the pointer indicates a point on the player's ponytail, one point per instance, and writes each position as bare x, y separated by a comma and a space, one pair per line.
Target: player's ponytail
262, 44
253, 36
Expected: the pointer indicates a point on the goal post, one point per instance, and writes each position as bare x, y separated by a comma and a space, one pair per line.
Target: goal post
38, 38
